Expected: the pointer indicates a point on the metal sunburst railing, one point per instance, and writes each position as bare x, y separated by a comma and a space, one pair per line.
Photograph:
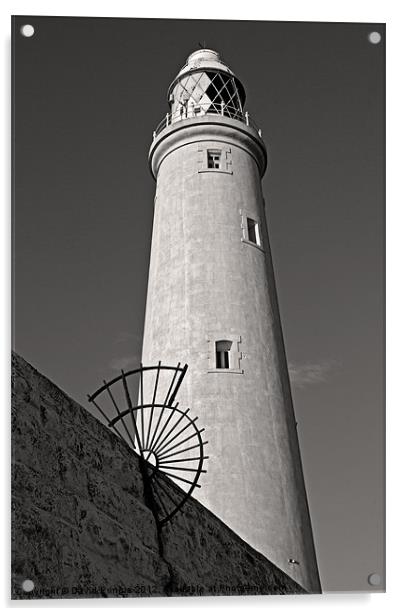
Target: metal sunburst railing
166, 438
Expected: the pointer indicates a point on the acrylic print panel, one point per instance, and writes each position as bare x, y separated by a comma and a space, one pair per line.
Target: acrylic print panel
198, 366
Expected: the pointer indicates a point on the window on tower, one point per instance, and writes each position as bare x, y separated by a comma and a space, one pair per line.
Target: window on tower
222, 352
214, 159
253, 232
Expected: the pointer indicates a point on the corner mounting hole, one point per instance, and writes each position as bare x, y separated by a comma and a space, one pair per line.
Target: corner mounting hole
374, 579
374, 38
28, 585
27, 30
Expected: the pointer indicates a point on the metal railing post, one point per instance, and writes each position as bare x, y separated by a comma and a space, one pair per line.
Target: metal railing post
203, 108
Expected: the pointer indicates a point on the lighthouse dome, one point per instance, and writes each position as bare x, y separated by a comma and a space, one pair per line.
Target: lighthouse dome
206, 59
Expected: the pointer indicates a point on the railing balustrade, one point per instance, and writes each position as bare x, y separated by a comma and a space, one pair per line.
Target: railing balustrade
184, 112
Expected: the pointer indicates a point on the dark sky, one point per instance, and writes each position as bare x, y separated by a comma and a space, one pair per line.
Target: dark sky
88, 94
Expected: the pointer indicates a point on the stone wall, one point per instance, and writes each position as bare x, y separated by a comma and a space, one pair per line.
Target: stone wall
80, 523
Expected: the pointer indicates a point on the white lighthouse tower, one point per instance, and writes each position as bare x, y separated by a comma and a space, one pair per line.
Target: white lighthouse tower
212, 304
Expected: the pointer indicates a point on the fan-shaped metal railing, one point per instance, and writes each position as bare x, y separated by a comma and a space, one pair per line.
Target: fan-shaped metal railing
165, 437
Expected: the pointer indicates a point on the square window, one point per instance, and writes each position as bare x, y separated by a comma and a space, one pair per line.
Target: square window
214, 159
253, 232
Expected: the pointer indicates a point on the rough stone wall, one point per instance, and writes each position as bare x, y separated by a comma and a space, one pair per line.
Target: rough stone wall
80, 523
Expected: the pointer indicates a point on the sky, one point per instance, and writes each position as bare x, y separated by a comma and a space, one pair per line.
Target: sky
88, 94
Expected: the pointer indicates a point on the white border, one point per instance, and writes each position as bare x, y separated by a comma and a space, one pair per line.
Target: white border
284, 10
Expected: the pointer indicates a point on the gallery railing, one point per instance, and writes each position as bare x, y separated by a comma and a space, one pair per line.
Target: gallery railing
185, 112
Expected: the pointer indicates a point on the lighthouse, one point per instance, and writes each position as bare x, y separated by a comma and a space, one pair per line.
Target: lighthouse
212, 304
